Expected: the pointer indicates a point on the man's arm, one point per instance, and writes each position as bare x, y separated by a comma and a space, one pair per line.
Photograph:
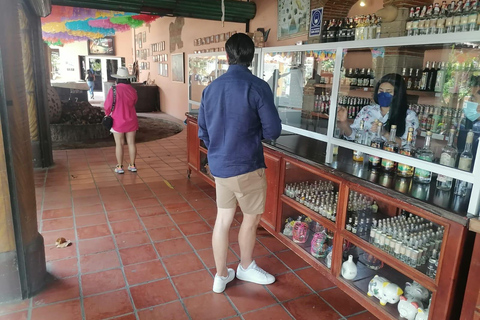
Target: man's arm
202, 125
271, 123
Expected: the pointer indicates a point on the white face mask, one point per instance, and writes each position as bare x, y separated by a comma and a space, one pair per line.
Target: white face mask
470, 110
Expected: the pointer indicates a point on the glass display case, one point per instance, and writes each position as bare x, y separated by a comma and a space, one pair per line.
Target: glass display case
203, 68
327, 92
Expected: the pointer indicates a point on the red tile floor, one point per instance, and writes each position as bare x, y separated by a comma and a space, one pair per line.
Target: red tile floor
142, 248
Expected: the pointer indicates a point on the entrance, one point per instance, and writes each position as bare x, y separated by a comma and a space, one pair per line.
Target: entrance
104, 68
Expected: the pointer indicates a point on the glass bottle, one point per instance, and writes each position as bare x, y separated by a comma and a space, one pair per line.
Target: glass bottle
440, 81
405, 170
473, 16
457, 16
417, 80
434, 19
432, 77
408, 27
392, 146
410, 82
465, 16
441, 19
359, 138
465, 161
374, 162
448, 158
449, 20
422, 175
436, 119
425, 77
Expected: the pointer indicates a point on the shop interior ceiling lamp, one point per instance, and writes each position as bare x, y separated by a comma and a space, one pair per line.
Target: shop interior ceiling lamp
362, 3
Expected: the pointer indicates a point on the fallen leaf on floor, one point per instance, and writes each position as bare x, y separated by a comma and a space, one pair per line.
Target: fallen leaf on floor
73, 176
62, 243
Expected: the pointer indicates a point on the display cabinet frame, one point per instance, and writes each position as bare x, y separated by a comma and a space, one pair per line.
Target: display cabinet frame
437, 39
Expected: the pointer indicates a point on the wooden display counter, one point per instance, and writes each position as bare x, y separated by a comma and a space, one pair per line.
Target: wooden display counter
295, 164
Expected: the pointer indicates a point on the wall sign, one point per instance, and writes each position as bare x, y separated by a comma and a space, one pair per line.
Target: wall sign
316, 22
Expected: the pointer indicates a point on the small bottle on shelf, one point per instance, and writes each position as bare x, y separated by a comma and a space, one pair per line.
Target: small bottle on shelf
425, 77
422, 175
408, 27
374, 162
457, 16
465, 15
392, 146
473, 16
410, 80
466, 157
449, 20
448, 158
404, 170
441, 19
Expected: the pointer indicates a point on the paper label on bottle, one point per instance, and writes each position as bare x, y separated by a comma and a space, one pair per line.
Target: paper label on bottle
447, 160
465, 164
415, 25
409, 25
375, 161
387, 164
421, 24
472, 18
441, 23
464, 20
456, 20
423, 174
442, 178
404, 168
449, 21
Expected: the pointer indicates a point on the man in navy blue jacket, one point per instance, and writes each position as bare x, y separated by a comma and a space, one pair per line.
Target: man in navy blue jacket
237, 111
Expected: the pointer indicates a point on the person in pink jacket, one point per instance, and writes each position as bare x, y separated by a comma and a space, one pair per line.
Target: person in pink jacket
125, 122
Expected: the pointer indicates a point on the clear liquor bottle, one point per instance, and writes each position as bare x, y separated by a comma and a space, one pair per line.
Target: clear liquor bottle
421, 22
359, 138
408, 27
411, 80
457, 16
374, 162
440, 81
442, 18
448, 158
466, 157
473, 16
415, 22
422, 175
449, 20
405, 170
392, 146
464, 18
432, 25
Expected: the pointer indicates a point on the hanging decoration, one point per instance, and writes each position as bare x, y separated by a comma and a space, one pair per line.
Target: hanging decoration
69, 24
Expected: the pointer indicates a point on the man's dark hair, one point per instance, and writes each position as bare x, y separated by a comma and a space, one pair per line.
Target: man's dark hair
126, 81
240, 49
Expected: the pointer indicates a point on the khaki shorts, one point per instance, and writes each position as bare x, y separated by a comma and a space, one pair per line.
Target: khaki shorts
249, 189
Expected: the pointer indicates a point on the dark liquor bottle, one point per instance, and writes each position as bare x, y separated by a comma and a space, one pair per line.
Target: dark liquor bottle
405, 76
425, 77
325, 31
432, 77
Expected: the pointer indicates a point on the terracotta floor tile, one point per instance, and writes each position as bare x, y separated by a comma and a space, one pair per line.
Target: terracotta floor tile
86, 201
99, 261
287, 286
271, 264
145, 202
97, 208
137, 254
272, 244
159, 234
126, 226
186, 217
101, 230
143, 272
314, 279
152, 222
58, 290
182, 263
102, 281
63, 268
195, 228
363, 316
132, 239
57, 224
117, 205
121, 215
107, 305
130, 316
53, 253
50, 237
150, 211
90, 220
292, 260
201, 241
193, 284
310, 307
203, 204
57, 213
170, 197
153, 293
70, 310
173, 310
177, 207
249, 296
341, 301
207, 257
271, 313
96, 245
14, 306
172, 247
84, 193
209, 306
22, 315
208, 213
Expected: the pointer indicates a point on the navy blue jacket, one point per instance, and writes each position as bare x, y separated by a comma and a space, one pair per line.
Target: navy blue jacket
236, 112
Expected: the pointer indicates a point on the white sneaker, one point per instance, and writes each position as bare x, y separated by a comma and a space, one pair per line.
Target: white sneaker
254, 274
219, 283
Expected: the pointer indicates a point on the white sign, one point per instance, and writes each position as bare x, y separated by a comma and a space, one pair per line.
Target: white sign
316, 22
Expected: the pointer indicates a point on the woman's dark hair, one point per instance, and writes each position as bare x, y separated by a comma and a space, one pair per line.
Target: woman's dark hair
399, 105
126, 81
240, 49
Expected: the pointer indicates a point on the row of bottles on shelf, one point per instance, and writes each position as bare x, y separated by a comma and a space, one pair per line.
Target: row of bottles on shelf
436, 119
448, 156
353, 105
352, 28
322, 103
407, 237
358, 77
431, 78
319, 196
436, 19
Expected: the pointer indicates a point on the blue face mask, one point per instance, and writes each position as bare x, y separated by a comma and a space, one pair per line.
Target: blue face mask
470, 110
384, 99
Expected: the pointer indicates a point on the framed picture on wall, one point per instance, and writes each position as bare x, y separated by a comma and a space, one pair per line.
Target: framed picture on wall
103, 46
178, 65
293, 18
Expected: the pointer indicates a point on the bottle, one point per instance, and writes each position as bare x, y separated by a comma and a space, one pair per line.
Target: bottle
425, 77
374, 162
465, 161
326, 23
473, 16
432, 77
440, 81
408, 27
436, 119
457, 16
354, 80
359, 138
449, 20
404, 75
465, 15
448, 158
441, 19
422, 175
404, 170
428, 18
434, 19
421, 22
392, 146
410, 80
417, 80
416, 20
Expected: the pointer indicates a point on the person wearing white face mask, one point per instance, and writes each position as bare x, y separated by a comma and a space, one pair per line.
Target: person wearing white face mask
471, 121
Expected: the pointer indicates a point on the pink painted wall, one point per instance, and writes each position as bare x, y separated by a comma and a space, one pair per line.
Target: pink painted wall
124, 46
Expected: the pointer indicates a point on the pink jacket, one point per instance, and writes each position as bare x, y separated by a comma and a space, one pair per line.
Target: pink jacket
124, 115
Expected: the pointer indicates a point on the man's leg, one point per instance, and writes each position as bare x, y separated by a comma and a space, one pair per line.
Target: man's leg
220, 239
246, 238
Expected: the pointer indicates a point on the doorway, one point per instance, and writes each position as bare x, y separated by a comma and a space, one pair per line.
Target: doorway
103, 68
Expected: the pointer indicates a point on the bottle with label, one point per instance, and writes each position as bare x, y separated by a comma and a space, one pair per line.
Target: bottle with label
428, 18
436, 120
441, 19
354, 78
411, 80
421, 21
422, 175
415, 22
408, 27
449, 20
457, 16
375, 162
465, 161
405, 76
465, 15
473, 16
448, 158
359, 138
432, 29
392, 146
417, 80
405, 170
425, 77
432, 77
440, 81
